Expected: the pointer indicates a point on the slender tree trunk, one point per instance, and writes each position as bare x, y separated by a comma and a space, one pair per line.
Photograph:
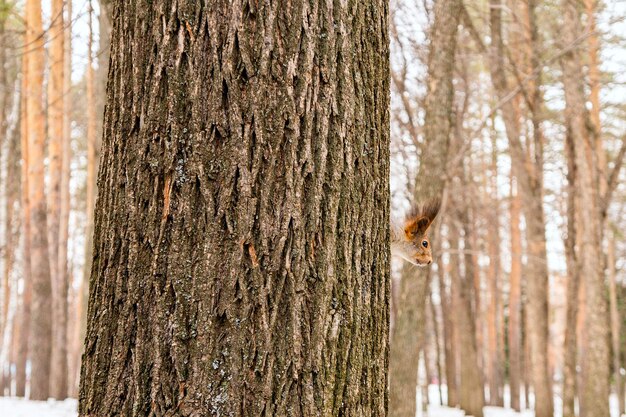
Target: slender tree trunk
11, 229
406, 342
525, 353
241, 250
76, 305
476, 279
471, 392
573, 286
427, 349
406, 339
64, 209
448, 307
515, 301
58, 360
596, 356
10, 190
615, 325
25, 307
496, 363
593, 41
435, 324
528, 171
41, 330
15, 340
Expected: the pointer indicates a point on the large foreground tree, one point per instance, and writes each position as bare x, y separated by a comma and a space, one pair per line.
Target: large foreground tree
241, 249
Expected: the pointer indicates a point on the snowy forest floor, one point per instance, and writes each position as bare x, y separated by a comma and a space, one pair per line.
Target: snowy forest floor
19, 407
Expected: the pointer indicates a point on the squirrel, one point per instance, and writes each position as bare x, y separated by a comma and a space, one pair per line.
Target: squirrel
409, 239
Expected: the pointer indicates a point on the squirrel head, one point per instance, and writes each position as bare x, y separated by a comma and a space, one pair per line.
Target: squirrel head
416, 246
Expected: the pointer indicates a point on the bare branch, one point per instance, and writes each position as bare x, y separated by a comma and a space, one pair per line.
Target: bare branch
614, 176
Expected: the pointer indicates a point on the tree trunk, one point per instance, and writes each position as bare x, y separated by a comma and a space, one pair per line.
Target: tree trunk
41, 329
515, 302
64, 209
570, 346
595, 358
406, 339
435, 324
25, 306
528, 171
496, 363
406, 342
471, 392
58, 359
615, 325
11, 186
593, 41
241, 246
448, 308
11, 230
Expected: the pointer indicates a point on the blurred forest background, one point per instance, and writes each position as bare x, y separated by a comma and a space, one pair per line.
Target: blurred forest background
52, 90
524, 306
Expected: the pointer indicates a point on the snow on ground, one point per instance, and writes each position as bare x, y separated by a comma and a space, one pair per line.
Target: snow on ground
19, 407
439, 411
435, 410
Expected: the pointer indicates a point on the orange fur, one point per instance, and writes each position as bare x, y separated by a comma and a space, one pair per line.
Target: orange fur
413, 244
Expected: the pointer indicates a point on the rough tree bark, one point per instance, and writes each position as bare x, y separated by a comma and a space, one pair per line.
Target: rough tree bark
595, 358
241, 246
41, 329
406, 338
58, 359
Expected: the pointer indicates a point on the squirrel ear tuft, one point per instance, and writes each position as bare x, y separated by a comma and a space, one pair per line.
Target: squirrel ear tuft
431, 209
420, 218
417, 227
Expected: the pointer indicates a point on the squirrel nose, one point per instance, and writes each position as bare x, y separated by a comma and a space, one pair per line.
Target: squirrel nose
430, 262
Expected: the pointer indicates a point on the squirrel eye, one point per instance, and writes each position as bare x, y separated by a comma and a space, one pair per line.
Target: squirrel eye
425, 243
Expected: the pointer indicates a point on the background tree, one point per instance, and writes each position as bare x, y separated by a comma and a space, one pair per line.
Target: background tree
40, 329
58, 360
26, 299
407, 337
528, 166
